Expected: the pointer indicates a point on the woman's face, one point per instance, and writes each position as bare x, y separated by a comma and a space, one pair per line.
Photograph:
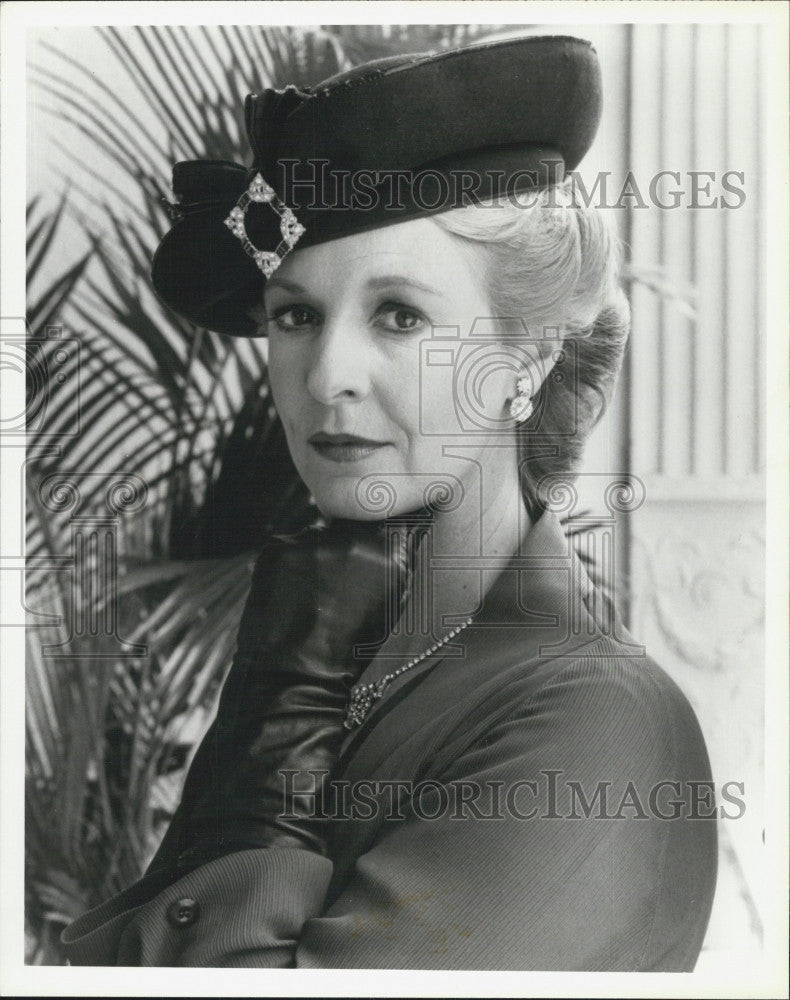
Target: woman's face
357, 398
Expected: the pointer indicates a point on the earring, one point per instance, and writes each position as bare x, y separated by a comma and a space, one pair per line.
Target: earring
521, 405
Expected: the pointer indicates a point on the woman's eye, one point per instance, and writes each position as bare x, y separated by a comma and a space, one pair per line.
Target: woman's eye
400, 319
294, 317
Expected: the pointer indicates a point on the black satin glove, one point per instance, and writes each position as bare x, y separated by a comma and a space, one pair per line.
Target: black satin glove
319, 605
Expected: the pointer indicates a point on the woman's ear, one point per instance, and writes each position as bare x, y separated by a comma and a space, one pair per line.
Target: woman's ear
521, 406
533, 361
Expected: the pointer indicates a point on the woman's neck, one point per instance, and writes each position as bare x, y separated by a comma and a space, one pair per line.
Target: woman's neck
468, 547
491, 523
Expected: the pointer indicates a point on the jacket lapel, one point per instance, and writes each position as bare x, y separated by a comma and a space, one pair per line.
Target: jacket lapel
542, 608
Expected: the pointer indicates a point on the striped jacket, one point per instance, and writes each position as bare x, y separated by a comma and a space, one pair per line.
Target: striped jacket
542, 799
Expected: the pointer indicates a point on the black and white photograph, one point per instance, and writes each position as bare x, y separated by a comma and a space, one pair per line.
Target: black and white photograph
394, 455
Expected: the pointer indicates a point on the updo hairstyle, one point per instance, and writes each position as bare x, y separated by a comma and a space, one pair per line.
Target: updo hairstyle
553, 263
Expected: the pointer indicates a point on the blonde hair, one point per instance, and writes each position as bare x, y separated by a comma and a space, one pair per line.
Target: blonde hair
554, 263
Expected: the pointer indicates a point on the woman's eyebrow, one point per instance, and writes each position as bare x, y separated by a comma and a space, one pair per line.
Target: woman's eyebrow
394, 280
379, 282
288, 286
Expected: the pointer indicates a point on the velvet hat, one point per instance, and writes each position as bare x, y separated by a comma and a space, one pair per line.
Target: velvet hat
385, 142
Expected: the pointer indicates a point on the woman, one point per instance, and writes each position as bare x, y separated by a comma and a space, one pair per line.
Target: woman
437, 746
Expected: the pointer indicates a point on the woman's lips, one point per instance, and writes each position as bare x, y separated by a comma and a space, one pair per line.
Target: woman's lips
344, 447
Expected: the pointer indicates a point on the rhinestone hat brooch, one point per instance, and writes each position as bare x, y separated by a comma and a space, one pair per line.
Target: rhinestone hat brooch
259, 191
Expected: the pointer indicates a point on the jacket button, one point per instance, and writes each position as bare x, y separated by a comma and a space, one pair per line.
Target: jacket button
183, 913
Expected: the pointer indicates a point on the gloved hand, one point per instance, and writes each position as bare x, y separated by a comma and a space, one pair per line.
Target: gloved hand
315, 599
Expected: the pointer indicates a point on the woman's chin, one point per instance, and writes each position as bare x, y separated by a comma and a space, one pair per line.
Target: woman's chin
344, 503
363, 501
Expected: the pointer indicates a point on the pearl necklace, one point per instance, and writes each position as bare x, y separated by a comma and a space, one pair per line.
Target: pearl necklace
362, 696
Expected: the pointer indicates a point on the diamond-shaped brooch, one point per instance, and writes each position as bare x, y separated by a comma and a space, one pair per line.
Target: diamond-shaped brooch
259, 191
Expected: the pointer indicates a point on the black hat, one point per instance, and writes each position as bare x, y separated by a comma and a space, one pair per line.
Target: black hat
387, 141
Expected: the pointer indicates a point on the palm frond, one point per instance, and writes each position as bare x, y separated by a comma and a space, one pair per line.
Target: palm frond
44, 307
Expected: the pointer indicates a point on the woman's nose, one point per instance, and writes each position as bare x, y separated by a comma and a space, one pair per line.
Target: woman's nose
339, 364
